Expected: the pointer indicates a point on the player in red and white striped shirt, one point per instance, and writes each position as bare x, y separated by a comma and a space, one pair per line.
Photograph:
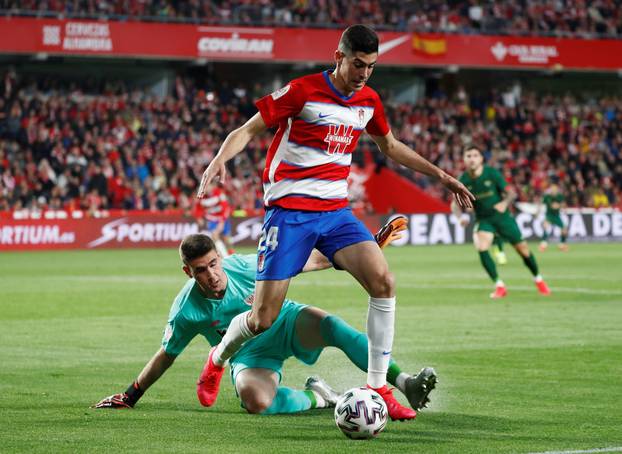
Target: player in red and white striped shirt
319, 119
213, 212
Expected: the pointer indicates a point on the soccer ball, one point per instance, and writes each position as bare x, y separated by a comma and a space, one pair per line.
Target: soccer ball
361, 413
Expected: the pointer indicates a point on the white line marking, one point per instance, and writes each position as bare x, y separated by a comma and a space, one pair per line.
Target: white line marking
442, 286
583, 451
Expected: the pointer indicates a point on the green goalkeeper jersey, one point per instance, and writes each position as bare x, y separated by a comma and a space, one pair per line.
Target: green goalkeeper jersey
549, 200
488, 190
192, 313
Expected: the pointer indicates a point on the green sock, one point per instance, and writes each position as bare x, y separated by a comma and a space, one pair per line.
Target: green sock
563, 237
499, 243
489, 265
311, 397
337, 333
393, 372
289, 400
530, 262
545, 234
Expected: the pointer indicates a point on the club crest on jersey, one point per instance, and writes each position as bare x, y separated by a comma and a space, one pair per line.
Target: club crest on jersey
361, 113
261, 259
280, 92
338, 138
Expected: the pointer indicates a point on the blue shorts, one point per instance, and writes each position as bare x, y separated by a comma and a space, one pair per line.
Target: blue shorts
289, 236
272, 347
213, 225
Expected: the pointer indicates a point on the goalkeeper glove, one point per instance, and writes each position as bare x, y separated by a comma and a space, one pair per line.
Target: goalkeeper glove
115, 401
391, 231
122, 400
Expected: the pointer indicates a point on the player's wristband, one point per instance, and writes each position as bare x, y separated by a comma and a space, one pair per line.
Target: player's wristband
133, 393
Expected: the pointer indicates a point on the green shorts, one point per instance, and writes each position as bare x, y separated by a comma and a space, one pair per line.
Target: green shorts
555, 219
271, 348
502, 224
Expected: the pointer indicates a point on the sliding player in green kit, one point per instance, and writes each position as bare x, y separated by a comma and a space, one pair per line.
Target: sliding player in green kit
218, 290
553, 200
492, 217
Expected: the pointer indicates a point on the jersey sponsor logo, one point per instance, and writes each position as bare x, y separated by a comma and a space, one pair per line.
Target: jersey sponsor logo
280, 92
339, 137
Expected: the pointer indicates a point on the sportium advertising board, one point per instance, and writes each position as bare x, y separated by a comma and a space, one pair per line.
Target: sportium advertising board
185, 41
152, 230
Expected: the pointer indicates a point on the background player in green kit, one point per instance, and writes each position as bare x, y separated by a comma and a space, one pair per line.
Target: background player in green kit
218, 290
497, 250
553, 200
492, 217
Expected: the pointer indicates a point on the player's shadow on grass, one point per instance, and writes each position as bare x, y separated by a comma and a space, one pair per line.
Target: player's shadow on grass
435, 428
443, 427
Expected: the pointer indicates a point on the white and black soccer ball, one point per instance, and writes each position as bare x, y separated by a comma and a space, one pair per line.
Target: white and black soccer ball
361, 413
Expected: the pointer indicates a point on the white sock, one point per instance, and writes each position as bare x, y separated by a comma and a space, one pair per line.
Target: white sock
499, 283
538, 278
380, 328
400, 381
221, 248
237, 333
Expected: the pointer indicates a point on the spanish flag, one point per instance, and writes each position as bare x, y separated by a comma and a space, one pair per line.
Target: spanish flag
429, 44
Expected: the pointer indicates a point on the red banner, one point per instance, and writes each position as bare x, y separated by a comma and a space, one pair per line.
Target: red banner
140, 230
159, 40
136, 230
93, 233
389, 192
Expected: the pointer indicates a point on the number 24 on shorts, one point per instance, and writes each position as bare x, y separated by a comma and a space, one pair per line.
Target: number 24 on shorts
270, 240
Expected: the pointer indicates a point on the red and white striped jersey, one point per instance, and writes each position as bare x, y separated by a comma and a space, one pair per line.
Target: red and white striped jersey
308, 161
215, 207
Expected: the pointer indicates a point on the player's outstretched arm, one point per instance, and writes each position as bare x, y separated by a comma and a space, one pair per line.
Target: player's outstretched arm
400, 152
233, 144
152, 371
388, 233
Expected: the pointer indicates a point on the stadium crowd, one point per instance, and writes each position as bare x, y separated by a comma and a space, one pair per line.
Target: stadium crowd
71, 147
583, 18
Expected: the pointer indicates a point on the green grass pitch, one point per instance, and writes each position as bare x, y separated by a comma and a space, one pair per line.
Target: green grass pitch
526, 374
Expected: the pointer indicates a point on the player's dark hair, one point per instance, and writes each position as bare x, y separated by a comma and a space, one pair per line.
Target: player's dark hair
358, 38
470, 147
194, 246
